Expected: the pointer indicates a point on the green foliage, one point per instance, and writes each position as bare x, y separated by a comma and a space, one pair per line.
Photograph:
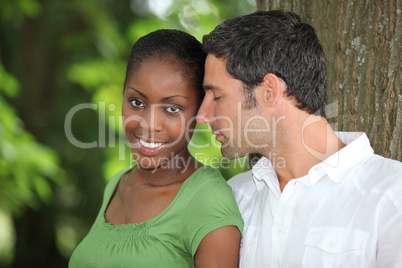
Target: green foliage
17, 9
25, 165
105, 76
60, 54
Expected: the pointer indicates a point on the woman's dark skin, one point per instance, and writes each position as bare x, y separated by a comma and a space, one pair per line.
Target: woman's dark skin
158, 103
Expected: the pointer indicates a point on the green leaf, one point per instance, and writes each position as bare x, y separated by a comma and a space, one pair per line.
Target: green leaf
8, 84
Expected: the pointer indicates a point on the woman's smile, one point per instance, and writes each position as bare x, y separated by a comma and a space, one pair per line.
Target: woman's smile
158, 111
150, 148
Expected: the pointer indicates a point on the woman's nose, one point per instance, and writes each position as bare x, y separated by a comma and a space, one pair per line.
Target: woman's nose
151, 120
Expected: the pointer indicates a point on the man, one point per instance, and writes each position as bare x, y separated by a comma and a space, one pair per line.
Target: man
316, 198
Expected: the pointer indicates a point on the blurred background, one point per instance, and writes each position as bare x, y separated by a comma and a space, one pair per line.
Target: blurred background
62, 65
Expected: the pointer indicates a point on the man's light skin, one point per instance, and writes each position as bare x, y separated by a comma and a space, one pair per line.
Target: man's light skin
301, 139
220, 108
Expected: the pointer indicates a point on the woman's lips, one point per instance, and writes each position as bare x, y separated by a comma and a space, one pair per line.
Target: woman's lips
150, 148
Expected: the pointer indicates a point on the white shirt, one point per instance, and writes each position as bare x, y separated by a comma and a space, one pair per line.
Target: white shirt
347, 212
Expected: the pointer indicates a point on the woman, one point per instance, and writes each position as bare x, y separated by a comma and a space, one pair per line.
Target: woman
169, 210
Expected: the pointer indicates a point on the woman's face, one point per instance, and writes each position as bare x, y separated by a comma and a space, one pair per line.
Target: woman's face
159, 105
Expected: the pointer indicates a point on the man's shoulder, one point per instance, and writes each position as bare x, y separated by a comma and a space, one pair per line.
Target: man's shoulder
385, 167
379, 173
242, 184
241, 180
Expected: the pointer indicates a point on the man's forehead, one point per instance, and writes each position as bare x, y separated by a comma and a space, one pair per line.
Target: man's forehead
211, 87
215, 69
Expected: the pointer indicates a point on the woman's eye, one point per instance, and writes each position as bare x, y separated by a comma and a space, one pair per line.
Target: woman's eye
137, 103
173, 109
216, 98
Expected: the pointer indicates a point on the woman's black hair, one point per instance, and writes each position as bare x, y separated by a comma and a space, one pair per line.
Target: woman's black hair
168, 42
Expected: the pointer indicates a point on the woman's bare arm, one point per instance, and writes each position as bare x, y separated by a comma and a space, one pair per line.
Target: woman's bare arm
219, 249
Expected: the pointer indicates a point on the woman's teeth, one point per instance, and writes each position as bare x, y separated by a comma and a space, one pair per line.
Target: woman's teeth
150, 145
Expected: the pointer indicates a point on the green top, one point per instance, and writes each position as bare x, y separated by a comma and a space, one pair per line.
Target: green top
204, 203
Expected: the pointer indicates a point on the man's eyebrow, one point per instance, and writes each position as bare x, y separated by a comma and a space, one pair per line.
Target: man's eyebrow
211, 87
139, 92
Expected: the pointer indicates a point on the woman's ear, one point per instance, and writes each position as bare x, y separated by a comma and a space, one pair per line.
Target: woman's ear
271, 87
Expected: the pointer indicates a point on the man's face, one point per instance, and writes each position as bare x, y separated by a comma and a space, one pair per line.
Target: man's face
240, 131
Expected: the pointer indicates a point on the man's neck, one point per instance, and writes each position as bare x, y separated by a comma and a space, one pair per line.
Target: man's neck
303, 142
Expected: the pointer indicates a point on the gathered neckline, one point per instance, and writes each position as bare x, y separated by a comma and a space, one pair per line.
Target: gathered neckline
140, 225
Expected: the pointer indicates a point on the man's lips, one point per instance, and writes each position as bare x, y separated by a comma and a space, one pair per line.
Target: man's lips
219, 135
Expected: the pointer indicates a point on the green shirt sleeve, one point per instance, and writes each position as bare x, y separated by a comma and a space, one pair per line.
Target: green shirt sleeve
212, 206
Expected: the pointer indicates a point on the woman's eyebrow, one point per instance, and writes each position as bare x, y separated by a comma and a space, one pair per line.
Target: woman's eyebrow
139, 92
166, 98
174, 96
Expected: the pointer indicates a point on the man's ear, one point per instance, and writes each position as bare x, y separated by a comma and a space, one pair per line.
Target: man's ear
271, 89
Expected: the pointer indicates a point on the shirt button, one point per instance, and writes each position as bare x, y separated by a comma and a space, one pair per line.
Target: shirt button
278, 231
331, 244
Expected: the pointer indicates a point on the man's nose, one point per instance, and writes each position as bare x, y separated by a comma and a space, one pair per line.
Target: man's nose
205, 113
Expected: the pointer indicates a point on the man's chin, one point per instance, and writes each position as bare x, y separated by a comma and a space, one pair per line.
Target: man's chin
231, 153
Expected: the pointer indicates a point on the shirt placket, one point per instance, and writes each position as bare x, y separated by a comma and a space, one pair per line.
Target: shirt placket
281, 224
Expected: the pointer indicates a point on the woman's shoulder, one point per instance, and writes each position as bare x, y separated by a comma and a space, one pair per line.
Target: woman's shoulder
207, 181
206, 175
112, 183
211, 205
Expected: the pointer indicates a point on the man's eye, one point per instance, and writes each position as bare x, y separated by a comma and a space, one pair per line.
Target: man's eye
217, 98
173, 109
137, 103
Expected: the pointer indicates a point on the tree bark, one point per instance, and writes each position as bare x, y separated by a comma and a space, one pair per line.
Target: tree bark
362, 41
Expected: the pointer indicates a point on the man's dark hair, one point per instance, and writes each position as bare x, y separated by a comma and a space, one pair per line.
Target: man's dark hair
168, 42
273, 42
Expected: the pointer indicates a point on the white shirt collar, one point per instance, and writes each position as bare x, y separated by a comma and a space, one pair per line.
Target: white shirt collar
337, 166
357, 151
264, 172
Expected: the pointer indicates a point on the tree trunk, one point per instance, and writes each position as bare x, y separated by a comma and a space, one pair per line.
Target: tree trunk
362, 41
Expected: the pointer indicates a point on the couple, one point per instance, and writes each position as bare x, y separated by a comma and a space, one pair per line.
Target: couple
315, 199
